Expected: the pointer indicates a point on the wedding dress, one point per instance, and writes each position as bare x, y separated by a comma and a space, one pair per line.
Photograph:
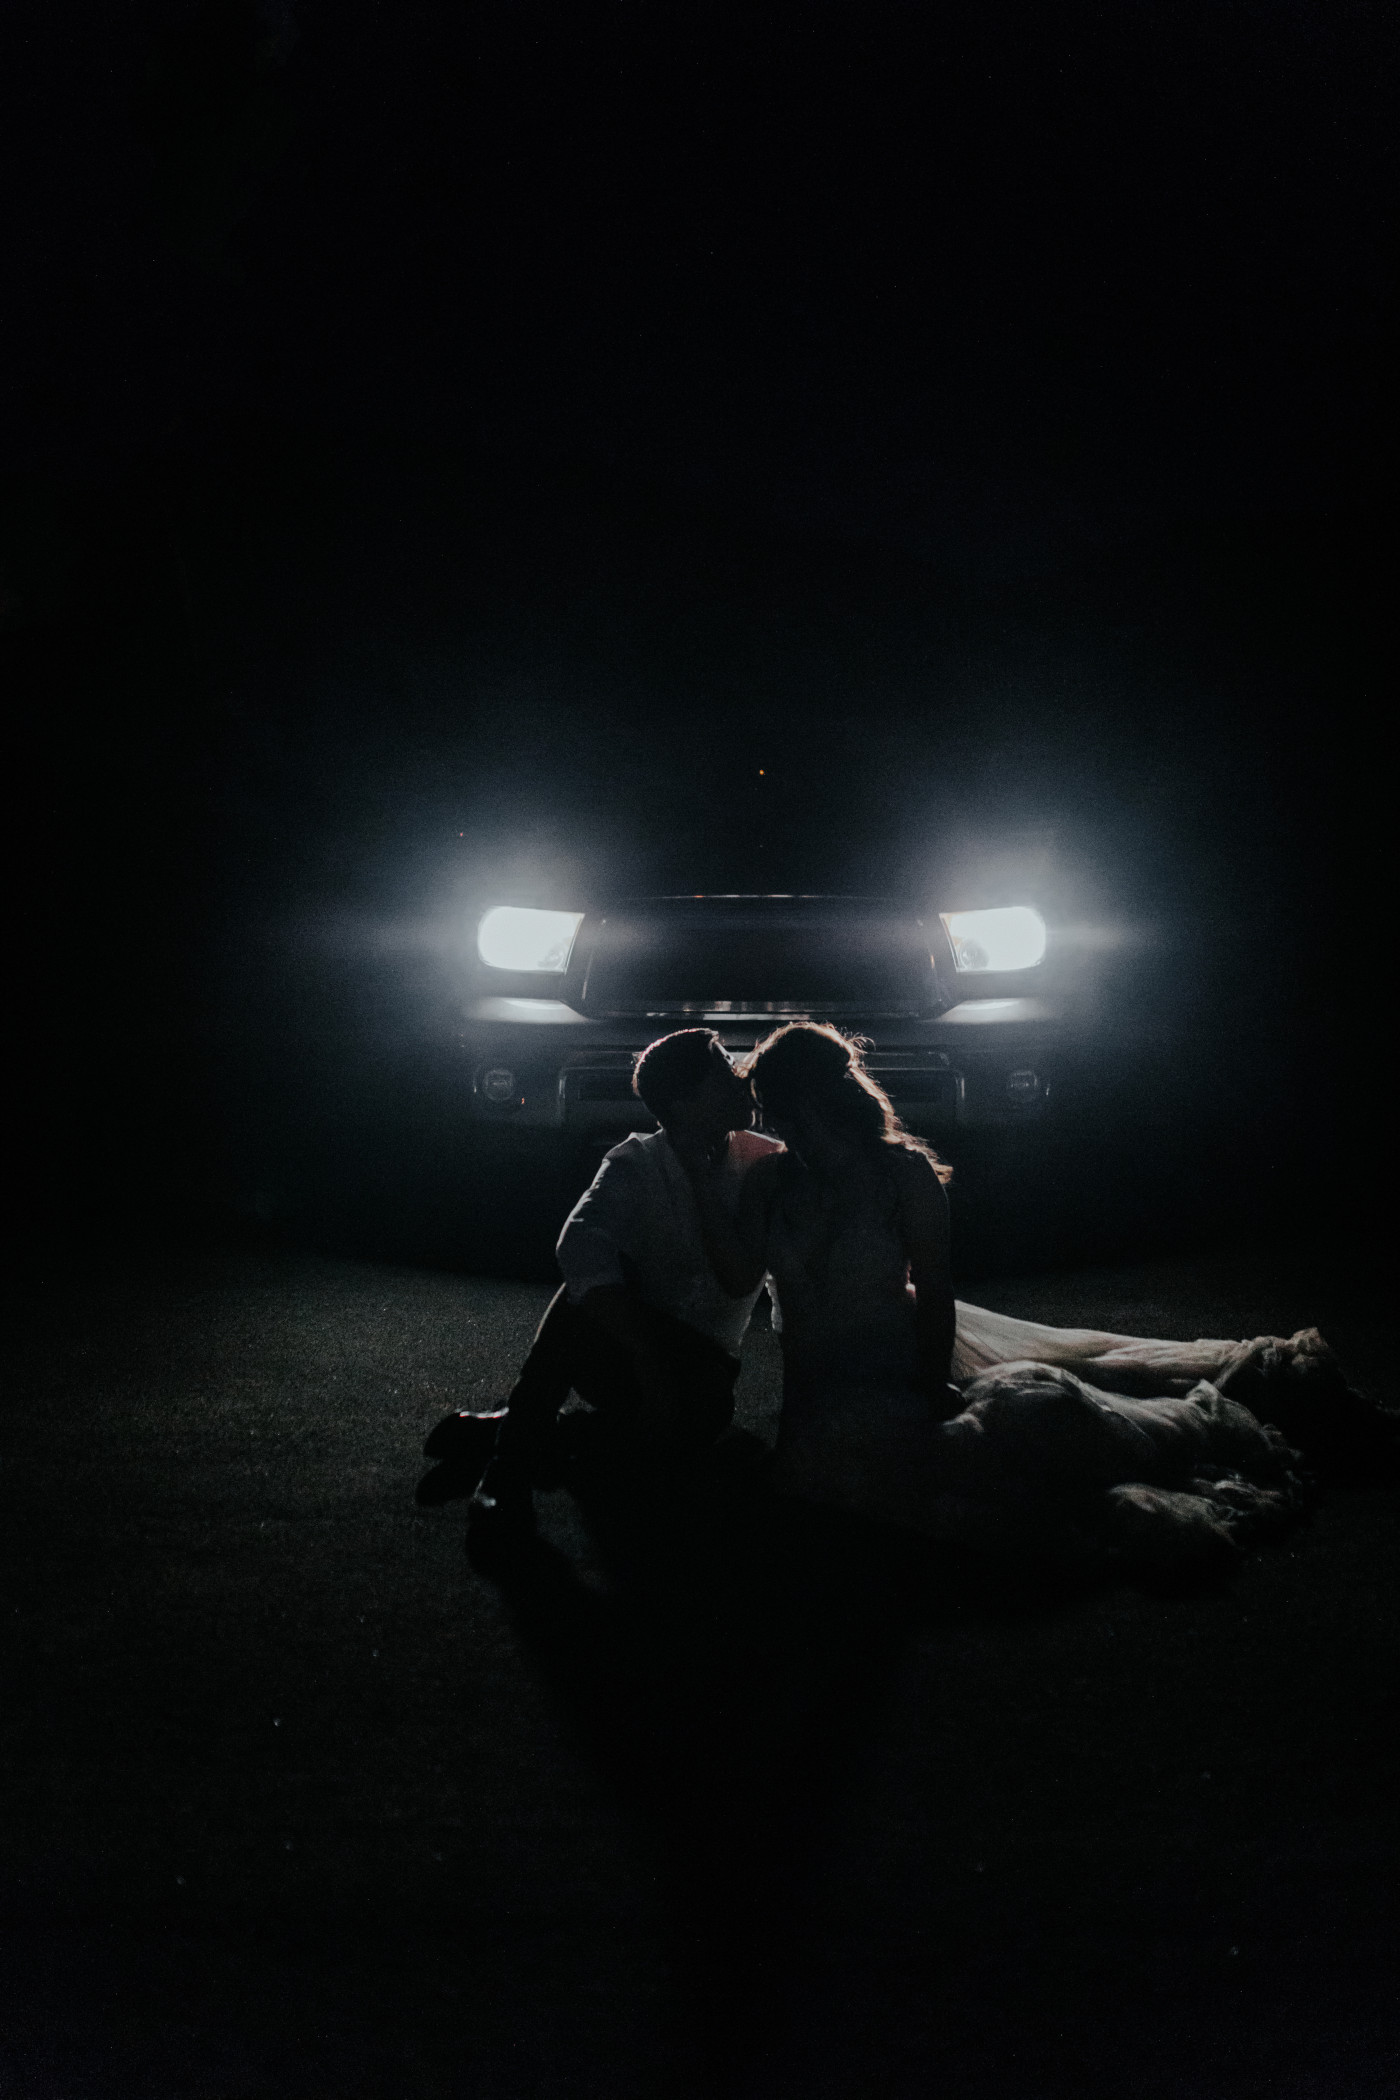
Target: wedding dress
1145, 1448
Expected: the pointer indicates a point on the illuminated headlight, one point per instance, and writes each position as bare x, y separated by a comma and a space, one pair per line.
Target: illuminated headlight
516, 937
1010, 937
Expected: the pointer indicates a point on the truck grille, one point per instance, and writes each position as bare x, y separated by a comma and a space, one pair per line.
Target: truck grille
600, 1086
926, 1089
685, 958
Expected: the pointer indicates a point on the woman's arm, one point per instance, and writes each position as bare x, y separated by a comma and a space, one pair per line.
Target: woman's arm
924, 1228
734, 1241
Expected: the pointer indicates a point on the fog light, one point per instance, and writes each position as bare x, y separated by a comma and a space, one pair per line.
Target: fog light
1024, 1086
499, 1085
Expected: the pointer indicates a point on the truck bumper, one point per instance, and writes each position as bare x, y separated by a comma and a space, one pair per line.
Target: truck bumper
536, 1064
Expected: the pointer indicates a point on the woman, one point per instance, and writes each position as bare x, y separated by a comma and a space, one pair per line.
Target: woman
900, 1405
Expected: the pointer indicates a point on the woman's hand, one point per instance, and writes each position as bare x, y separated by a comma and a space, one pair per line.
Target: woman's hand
924, 1230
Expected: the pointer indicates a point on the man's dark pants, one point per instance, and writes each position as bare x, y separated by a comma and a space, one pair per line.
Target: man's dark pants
571, 1352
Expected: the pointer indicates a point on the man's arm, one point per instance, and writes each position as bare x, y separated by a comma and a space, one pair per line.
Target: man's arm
592, 1257
592, 1246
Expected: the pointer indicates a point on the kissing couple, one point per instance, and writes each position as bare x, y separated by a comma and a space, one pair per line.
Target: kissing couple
900, 1404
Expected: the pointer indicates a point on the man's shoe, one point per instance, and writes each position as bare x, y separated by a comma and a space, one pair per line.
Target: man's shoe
462, 1437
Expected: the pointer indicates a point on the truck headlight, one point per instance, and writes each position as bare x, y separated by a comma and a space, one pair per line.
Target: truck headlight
517, 937
1009, 937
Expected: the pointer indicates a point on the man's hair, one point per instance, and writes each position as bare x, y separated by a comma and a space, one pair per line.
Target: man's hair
675, 1066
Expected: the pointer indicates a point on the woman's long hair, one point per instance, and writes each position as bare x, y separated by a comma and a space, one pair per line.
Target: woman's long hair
809, 1062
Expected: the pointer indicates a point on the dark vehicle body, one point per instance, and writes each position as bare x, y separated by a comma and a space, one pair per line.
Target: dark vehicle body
954, 1048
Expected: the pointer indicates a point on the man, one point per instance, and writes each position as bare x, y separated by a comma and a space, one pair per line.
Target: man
641, 1328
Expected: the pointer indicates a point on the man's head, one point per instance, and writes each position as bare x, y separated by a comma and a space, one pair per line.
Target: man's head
690, 1086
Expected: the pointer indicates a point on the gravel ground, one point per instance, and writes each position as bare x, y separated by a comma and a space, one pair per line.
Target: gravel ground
299, 1802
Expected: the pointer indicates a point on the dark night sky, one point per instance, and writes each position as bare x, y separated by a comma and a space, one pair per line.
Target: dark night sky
456, 445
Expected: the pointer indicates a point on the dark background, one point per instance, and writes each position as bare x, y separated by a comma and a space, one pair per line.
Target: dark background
449, 449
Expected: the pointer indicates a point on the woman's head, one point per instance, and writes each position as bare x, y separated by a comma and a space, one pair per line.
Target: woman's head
808, 1076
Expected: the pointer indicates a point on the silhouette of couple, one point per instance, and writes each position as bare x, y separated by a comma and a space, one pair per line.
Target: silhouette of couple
899, 1404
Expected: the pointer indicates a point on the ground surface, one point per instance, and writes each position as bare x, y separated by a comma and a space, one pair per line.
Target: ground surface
298, 1802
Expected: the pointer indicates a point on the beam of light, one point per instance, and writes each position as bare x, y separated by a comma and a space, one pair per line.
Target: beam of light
517, 937
1008, 937
523, 1013
982, 1013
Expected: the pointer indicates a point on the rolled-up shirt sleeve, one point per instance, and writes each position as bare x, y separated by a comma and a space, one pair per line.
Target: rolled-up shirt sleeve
590, 1247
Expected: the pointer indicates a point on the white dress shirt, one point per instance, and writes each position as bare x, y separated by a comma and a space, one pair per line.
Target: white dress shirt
640, 1206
